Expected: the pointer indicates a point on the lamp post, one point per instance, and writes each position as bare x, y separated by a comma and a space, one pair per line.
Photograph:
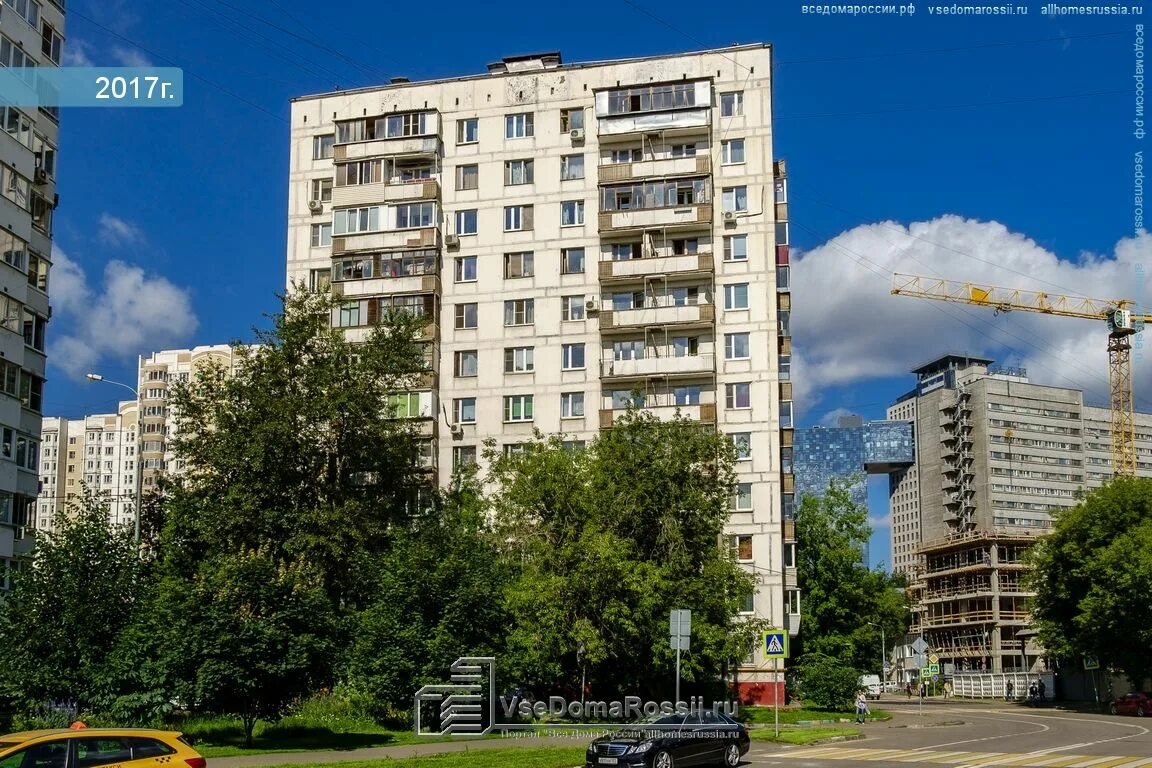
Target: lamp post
139, 438
883, 654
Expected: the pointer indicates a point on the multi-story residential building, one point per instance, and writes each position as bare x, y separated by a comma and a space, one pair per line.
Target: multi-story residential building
582, 237
995, 456
31, 34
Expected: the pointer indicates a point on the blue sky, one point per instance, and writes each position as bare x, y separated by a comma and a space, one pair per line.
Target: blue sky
993, 147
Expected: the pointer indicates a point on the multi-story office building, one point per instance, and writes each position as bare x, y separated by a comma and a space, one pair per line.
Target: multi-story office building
31, 34
995, 456
581, 237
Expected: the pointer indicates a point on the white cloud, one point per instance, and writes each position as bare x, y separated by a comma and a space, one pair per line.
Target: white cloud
128, 313
129, 57
851, 329
78, 53
832, 418
118, 232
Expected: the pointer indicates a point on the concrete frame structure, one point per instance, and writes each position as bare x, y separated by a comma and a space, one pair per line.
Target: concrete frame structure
575, 233
995, 455
31, 34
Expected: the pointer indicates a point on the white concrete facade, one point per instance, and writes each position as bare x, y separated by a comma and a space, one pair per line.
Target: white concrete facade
575, 232
30, 35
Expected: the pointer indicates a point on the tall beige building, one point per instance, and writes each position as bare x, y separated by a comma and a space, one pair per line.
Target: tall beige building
31, 34
575, 233
996, 455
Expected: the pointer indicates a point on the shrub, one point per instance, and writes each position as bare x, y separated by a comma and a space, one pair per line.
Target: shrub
825, 682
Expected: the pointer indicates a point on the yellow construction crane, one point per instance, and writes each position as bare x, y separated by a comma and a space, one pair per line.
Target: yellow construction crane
1122, 324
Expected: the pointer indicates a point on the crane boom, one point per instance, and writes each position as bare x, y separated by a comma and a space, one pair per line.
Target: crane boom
1122, 323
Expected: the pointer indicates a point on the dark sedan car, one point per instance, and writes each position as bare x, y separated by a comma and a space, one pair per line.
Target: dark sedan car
672, 741
1139, 704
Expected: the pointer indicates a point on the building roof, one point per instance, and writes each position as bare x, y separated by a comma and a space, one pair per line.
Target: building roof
950, 360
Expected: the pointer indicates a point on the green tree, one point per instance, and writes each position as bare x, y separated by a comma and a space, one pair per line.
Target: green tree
841, 600
1093, 580
68, 608
603, 542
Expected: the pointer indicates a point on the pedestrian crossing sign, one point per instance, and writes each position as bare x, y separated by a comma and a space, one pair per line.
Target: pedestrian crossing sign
775, 644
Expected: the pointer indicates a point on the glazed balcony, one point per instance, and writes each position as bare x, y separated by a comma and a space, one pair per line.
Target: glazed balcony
705, 413
613, 173
687, 366
398, 192
409, 146
691, 216
636, 270
630, 319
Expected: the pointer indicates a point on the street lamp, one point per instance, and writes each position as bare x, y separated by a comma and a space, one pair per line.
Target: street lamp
139, 438
883, 654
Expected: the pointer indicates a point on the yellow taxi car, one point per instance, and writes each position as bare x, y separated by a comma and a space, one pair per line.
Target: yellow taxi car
82, 747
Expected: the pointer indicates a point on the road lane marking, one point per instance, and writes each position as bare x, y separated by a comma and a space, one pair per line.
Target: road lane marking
1038, 759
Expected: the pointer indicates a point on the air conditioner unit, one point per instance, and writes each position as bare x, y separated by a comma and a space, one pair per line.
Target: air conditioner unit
592, 306
41, 176
315, 206
451, 240
729, 217
457, 431
577, 134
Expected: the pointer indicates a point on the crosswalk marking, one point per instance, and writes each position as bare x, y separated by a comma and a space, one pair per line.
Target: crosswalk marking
972, 759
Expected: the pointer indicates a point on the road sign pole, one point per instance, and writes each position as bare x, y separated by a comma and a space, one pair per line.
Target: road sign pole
776, 694
677, 673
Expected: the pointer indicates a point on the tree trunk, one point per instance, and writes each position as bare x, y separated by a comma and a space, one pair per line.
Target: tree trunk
249, 728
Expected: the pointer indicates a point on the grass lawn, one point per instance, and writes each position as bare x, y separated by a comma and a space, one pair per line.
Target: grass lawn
222, 737
544, 757
763, 715
800, 735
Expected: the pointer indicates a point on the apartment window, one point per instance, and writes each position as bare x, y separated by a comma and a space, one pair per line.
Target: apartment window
736, 296
572, 261
784, 322
735, 199
742, 442
519, 265
519, 360
684, 297
732, 104
572, 357
571, 405
320, 280
633, 155
738, 396
629, 300
682, 150
651, 98
518, 126
29, 10
683, 246
736, 248
362, 172
415, 215
518, 408
467, 177
45, 154
686, 395
571, 118
572, 213
782, 277
465, 269
628, 349
732, 152
737, 346
352, 269
748, 608
517, 218
464, 410
322, 190
38, 268
790, 555
781, 190
405, 405
322, 146
51, 43
786, 414
468, 130
685, 346
350, 315
792, 600
467, 363
16, 188
414, 173
572, 308
626, 398
466, 222
463, 456
626, 251
571, 167
34, 328
655, 194
786, 460
354, 220
784, 367
465, 316
741, 548
518, 172
742, 499
14, 248
782, 233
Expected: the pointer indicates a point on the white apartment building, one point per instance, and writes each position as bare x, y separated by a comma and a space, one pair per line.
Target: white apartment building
30, 35
576, 233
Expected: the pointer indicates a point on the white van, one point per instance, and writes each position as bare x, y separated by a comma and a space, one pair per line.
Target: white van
872, 686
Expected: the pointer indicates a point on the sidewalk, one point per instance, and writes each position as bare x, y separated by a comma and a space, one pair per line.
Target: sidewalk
380, 753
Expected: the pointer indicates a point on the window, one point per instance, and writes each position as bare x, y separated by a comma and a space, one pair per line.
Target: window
784, 367
628, 349
322, 146
786, 414
415, 215
782, 233
353, 220
685, 346
518, 265
45, 154
737, 396
782, 277
29, 10
684, 297
406, 405
13, 55
736, 346
464, 410
466, 222
682, 150
784, 322
468, 130
34, 328
322, 190
571, 357
790, 555
786, 460
519, 360
741, 548
572, 307
518, 408
572, 261
781, 190
571, 118
626, 398
351, 269
518, 172
363, 172
742, 500
683, 246
655, 194
17, 125
792, 600
463, 456
51, 43
517, 218
633, 155
467, 177
571, 405
145, 747
736, 248
571, 167
686, 395
735, 199
14, 248
53, 754
629, 300
732, 104
467, 363
350, 315
465, 269
742, 442
748, 606
732, 152
16, 188
465, 316
518, 126
736, 296
652, 98
626, 251
572, 213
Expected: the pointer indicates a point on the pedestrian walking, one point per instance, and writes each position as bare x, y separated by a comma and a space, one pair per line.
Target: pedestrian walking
1033, 692
947, 689
1009, 689
908, 688
1040, 689
861, 706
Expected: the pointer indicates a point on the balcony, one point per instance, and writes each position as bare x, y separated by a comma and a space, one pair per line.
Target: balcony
705, 413
689, 365
629, 319
392, 240
635, 270
382, 285
693, 216
699, 165
399, 192
409, 146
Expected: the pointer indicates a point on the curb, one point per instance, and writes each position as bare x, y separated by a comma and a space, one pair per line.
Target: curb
834, 739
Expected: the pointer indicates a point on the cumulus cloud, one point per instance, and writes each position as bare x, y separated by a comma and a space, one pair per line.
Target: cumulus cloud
118, 232
832, 418
126, 313
78, 53
129, 57
852, 329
